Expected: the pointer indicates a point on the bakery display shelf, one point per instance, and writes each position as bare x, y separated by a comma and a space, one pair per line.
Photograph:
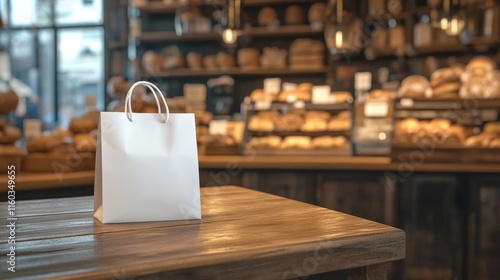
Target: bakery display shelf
333, 152
387, 16
58, 163
171, 36
234, 72
442, 154
299, 133
157, 8
307, 106
275, 2
446, 104
285, 30
440, 48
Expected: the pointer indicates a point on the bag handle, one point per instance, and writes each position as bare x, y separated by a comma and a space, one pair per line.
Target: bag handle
156, 91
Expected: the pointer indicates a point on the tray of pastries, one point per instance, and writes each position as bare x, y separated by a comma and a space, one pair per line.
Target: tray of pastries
439, 140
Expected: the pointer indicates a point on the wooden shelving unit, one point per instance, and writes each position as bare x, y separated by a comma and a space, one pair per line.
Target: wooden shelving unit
173, 37
285, 30
178, 73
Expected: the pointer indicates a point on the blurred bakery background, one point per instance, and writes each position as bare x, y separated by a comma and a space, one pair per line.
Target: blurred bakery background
384, 109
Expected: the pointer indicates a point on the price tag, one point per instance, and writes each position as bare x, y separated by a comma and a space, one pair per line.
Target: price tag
195, 92
217, 127
321, 95
376, 109
262, 105
299, 104
406, 102
272, 85
363, 81
32, 128
289, 86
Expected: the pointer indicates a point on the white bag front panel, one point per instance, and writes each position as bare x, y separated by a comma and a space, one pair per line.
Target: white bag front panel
149, 168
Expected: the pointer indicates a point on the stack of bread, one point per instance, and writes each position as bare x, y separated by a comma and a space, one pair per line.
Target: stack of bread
481, 79
9, 134
437, 132
306, 54
446, 83
297, 143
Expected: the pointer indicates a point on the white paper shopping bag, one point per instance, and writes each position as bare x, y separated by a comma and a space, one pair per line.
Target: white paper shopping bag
146, 165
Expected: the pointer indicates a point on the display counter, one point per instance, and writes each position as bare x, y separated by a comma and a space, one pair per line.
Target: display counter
34, 181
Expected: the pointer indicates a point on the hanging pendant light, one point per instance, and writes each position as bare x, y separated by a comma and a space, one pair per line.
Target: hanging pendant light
232, 31
453, 19
342, 34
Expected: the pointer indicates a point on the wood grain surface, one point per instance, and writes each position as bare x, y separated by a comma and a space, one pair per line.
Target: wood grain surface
243, 234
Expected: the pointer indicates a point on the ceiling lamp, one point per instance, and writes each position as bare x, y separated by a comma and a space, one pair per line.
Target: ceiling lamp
232, 30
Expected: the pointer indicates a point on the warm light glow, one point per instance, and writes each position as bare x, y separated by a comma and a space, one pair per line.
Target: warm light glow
444, 23
455, 26
338, 39
229, 36
382, 136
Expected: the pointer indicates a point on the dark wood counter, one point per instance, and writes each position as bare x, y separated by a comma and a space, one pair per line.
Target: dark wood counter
243, 234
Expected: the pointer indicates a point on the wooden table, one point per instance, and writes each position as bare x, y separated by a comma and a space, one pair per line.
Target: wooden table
244, 234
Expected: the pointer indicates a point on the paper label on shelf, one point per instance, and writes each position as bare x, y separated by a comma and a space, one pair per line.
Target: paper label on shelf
406, 102
272, 85
362, 81
299, 104
262, 105
289, 86
32, 128
376, 109
217, 127
195, 92
321, 95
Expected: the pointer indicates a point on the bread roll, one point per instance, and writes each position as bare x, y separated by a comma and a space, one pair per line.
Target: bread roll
225, 61
117, 87
267, 17
415, 87
260, 124
62, 133
380, 94
260, 94
446, 88
480, 66
475, 87
172, 58
444, 76
10, 135
294, 15
43, 143
267, 142
495, 143
82, 125
209, 62
492, 127
317, 12
296, 142
8, 102
311, 125
321, 115
152, 61
84, 143
336, 124
194, 60
329, 142
248, 58
288, 122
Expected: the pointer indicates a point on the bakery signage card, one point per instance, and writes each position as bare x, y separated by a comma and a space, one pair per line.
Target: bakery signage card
218, 127
272, 85
321, 95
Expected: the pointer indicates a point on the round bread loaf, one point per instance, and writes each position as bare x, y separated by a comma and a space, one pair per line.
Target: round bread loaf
43, 143
267, 17
248, 58
444, 76
10, 135
82, 125
225, 61
209, 62
10, 150
415, 86
492, 127
8, 102
480, 66
194, 60
317, 12
84, 143
294, 15
151, 61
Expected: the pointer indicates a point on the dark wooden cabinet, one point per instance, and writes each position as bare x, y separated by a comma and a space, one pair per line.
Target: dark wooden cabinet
484, 228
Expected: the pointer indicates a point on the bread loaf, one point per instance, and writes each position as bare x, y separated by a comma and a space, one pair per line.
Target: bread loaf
8, 102
248, 58
415, 87
294, 15
267, 17
194, 60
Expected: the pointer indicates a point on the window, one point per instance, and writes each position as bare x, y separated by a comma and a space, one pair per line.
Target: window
56, 47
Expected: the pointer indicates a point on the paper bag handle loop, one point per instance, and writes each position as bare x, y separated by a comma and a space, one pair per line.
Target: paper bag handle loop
156, 91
